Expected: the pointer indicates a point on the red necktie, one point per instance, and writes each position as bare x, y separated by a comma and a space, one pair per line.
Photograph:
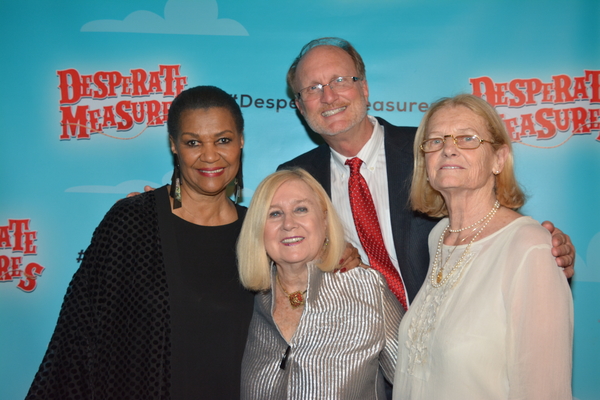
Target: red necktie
369, 233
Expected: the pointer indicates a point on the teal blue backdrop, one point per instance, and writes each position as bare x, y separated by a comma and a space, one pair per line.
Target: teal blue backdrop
538, 61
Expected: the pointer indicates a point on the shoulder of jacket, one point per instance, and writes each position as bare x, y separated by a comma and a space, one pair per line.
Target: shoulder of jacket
303, 159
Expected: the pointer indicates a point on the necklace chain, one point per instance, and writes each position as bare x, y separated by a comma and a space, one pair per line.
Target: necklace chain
296, 299
493, 210
437, 270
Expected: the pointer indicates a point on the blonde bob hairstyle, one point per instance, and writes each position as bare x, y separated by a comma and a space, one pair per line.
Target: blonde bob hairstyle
253, 261
426, 199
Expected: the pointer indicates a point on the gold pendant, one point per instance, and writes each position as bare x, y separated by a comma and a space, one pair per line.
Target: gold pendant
439, 277
296, 299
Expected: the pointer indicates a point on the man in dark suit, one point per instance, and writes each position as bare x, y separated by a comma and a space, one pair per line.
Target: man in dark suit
329, 80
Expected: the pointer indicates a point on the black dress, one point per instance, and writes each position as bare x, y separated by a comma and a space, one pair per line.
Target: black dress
210, 312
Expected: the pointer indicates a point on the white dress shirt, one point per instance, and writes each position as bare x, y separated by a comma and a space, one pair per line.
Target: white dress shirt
374, 171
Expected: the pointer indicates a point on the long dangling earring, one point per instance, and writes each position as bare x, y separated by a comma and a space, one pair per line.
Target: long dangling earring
239, 181
176, 184
236, 191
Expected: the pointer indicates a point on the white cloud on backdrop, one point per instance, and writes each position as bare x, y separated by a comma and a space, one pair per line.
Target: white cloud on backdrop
122, 188
182, 17
134, 186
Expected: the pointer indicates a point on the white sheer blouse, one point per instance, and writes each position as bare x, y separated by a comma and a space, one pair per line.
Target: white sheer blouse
500, 328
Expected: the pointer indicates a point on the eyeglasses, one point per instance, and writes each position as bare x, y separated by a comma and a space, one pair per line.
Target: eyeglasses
339, 84
466, 142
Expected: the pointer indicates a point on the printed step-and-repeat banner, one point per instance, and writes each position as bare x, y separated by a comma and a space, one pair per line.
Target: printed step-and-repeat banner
86, 86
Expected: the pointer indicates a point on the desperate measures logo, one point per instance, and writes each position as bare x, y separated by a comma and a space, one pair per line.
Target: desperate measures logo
533, 108
19, 240
111, 100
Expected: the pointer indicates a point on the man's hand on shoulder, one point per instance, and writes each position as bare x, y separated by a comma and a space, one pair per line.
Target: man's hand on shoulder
146, 189
562, 249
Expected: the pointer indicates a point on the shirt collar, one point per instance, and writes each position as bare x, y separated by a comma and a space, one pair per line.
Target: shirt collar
368, 154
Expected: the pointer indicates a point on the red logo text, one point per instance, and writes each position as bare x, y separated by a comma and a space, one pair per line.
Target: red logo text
112, 100
531, 107
19, 240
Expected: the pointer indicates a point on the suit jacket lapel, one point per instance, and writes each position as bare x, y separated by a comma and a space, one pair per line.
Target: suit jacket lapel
399, 160
320, 167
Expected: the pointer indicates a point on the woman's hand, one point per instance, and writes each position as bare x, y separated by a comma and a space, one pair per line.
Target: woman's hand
562, 249
350, 259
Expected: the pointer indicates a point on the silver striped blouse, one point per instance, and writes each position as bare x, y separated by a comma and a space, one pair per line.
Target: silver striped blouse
348, 330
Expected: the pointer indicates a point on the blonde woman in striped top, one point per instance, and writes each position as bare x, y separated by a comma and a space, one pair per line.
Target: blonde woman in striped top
314, 334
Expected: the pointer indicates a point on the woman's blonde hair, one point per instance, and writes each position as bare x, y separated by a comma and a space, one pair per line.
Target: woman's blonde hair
253, 262
426, 199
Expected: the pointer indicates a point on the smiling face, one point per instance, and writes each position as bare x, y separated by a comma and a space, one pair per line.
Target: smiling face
208, 148
295, 228
332, 113
452, 169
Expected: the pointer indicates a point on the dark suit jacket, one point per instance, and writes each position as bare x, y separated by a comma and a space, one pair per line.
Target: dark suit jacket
410, 229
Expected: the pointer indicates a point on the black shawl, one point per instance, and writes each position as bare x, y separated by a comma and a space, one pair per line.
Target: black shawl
112, 336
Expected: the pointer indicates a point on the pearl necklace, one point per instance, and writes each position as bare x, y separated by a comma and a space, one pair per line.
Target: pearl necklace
437, 270
496, 205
